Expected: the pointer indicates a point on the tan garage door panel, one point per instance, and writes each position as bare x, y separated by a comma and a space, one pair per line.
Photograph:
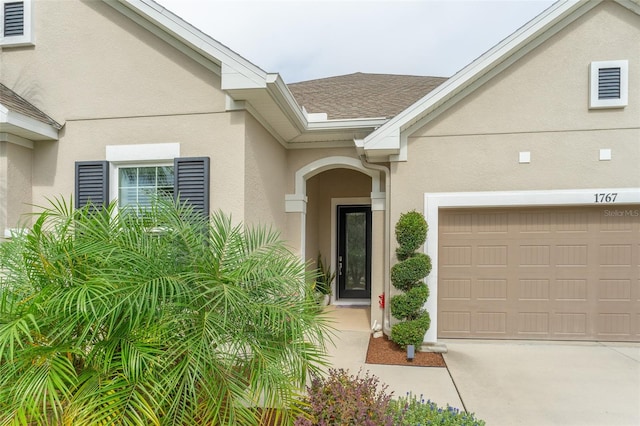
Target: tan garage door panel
544, 273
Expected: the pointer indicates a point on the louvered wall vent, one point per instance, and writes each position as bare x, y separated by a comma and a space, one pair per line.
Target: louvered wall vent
13, 19
609, 83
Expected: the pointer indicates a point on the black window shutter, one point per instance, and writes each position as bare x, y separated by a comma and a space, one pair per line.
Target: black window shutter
13, 19
192, 182
92, 183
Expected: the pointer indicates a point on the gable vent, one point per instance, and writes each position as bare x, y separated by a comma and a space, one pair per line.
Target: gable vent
609, 83
13, 19
192, 182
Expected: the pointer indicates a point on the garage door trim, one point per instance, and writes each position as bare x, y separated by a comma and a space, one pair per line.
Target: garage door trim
433, 202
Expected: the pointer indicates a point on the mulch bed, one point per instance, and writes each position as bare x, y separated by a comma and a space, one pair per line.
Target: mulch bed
384, 351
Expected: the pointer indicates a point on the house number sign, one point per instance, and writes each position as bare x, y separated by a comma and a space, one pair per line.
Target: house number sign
606, 197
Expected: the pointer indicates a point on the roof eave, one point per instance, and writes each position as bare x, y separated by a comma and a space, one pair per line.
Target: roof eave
15, 123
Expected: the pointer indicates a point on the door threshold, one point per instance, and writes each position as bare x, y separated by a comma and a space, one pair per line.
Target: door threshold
352, 302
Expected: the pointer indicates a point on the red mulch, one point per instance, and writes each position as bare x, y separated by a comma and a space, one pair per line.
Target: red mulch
384, 351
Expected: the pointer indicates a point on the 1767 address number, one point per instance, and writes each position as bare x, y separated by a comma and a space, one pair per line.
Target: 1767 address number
604, 197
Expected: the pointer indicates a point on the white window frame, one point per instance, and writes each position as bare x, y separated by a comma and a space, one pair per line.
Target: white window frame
25, 39
143, 155
620, 102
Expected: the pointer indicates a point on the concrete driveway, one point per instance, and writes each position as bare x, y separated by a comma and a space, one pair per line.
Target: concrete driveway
512, 382
547, 383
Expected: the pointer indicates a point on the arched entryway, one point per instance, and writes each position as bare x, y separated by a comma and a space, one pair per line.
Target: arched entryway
334, 196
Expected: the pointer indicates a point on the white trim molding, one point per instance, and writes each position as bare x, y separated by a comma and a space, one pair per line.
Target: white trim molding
142, 152
297, 202
433, 202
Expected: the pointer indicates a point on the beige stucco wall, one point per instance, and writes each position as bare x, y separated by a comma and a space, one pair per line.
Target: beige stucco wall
111, 82
15, 185
90, 61
540, 105
219, 136
265, 176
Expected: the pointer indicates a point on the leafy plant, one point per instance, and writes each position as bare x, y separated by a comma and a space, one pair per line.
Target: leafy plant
413, 411
409, 305
324, 276
410, 271
344, 399
407, 276
169, 318
411, 332
411, 233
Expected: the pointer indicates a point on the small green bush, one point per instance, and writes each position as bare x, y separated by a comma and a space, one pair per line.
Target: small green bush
411, 232
411, 332
345, 399
406, 274
409, 305
413, 411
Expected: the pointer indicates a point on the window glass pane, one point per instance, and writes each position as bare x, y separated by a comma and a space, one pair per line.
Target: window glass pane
356, 237
145, 195
165, 176
127, 196
128, 177
147, 176
138, 186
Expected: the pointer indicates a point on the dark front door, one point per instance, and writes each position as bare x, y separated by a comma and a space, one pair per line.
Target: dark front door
354, 252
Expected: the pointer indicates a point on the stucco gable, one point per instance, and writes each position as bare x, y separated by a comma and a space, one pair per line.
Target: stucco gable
390, 140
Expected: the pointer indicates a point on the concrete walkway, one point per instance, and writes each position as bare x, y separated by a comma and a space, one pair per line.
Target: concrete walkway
511, 382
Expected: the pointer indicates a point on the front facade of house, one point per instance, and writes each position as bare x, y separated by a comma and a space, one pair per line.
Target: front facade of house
526, 163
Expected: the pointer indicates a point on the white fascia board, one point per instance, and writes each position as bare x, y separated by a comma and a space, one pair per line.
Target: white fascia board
283, 97
36, 130
351, 123
199, 41
388, 136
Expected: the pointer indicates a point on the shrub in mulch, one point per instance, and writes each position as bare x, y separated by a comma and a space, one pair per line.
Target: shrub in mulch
384, 351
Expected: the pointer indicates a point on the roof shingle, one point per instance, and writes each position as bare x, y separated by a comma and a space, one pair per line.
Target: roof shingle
361, 95
15, 102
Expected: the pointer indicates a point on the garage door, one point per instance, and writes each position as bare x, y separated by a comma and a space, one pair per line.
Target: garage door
543, 273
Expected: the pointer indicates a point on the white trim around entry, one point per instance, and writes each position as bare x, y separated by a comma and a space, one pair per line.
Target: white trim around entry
297, 202
433, 202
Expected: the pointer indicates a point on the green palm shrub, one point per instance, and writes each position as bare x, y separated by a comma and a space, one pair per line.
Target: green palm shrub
110, 318
407, 275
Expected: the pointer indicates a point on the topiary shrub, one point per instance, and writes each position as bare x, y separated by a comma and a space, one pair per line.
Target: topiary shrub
408, 333
409, 305
411, 233
407, 275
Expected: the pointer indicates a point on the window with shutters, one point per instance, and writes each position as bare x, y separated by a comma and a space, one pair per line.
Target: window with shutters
135, 185
609, 84
15, 23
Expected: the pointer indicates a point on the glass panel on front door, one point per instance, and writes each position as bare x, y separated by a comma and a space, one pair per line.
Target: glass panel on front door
354, 252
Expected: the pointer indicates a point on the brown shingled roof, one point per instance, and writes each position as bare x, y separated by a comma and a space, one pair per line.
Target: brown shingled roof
15, 102
362, 95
